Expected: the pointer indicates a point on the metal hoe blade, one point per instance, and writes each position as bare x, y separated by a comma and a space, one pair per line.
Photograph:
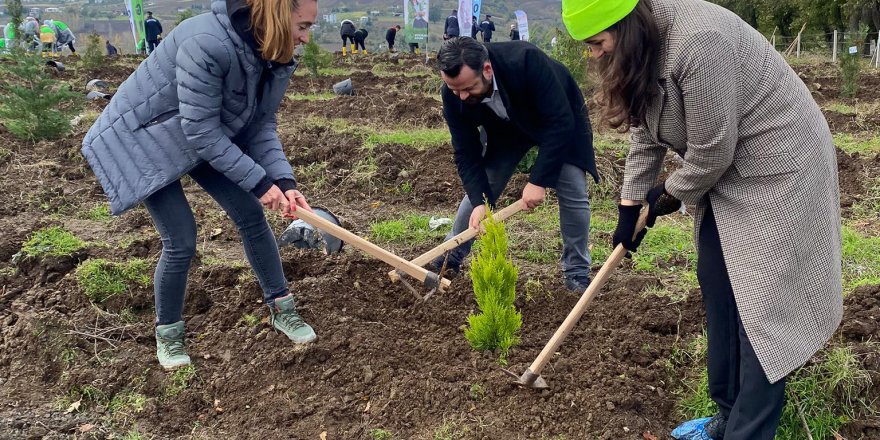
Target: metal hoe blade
528, 380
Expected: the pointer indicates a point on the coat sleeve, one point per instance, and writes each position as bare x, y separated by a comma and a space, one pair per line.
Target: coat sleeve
708, 75
643, 164
202, 63
468, 152
265, 148
554, 117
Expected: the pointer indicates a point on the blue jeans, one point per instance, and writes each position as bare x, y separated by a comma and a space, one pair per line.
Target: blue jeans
174, 220
574, 212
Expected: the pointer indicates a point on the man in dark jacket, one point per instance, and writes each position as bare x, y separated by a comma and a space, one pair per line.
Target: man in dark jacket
153, 29
521, 98
346, 31
390, 35
451, 28
487, 27
475, 29
360, 36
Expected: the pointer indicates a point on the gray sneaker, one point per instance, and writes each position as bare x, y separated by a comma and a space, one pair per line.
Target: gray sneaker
287, 320
170, 348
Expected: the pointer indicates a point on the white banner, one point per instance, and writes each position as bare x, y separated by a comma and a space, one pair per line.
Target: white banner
133, 27
522, 25
465, 22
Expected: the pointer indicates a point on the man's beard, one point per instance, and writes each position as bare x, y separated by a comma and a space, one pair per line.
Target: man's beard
474, 99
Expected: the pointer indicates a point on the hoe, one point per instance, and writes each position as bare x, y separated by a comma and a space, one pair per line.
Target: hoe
532, 377
430, 279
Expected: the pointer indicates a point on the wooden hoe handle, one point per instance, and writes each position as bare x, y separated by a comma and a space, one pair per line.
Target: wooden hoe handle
601, 278
459, 239
398, 263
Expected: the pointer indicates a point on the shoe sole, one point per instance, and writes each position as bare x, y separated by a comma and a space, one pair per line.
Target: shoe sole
304, 341
175, 366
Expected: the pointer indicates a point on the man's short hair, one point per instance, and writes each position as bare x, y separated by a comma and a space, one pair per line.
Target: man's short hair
457, 52
454, 11
149, 13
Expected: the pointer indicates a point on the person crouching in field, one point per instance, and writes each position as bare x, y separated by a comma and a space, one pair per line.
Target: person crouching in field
758, 163
205, 106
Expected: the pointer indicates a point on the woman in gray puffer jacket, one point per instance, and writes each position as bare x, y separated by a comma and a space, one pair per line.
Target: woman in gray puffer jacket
203, 104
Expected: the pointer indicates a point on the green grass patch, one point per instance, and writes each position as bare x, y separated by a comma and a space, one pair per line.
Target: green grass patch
250, 320
133, 434
326, 71
322, 96
126, 404
828, 392
79, 398
862, 143
411, 229
380, 434
178, 381
451, 431
54, 241
841, 108
99, 213
868, 205
534, 235
101, 279
861, 259
420, 138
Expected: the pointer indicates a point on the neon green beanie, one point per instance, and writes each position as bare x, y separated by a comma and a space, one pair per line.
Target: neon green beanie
586, 18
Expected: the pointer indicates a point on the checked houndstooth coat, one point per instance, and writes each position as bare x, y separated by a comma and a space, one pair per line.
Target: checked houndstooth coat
756, 144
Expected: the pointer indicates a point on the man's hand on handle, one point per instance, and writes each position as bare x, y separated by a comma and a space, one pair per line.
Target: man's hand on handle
532, 196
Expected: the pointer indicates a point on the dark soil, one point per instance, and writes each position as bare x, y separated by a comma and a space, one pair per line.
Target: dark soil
382, 361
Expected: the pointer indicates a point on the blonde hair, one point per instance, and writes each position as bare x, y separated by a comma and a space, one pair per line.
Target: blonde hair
273, 28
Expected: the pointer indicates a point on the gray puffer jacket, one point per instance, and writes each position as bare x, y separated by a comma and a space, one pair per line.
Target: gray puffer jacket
193, 100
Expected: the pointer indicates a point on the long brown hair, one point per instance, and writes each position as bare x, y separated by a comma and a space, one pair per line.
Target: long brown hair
273, 29
629, 74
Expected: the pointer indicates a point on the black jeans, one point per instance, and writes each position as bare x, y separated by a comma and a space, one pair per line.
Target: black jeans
737, 382
174, 220
347, 39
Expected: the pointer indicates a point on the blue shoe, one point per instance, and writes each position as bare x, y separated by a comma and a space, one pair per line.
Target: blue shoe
692, 430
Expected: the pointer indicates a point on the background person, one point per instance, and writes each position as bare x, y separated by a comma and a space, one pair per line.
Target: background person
168, 120
390, 36
153, 29
63, 35
514, 33
760, 166
487, 27
360, 36
522, 98
346, 31
450, 28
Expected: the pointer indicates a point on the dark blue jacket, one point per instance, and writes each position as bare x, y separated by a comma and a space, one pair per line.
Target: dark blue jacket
451, 27
153, 29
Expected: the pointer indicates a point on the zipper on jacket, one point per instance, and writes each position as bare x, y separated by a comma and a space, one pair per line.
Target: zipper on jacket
161, 118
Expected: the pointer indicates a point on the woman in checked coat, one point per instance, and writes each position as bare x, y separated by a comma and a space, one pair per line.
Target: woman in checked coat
758, 163
203, 104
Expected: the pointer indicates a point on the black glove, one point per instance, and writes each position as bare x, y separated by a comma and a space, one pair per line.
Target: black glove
627, 218
660, 203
